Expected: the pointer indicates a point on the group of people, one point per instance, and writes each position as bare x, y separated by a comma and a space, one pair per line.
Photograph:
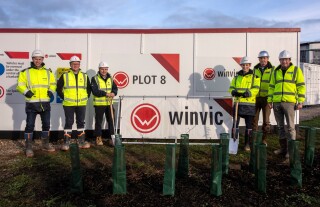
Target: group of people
38, 84
262, 88
265, 87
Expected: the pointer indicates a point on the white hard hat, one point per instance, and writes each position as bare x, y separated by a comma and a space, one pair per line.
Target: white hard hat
74, 59
37, 53
245, 60
103, 65
263, 53
284, 54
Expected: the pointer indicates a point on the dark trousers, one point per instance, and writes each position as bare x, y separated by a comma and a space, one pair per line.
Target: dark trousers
248, 121
31, 119
100, 112
262, 104
70, 111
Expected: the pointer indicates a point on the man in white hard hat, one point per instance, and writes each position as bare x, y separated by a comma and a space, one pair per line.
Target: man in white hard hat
37, 84
263, 70
74, 88
244, 87
103, 90
286, 94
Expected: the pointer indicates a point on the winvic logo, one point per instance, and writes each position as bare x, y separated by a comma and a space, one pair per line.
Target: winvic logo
209, 73
226, 73
145, 118
121, 79
1, 91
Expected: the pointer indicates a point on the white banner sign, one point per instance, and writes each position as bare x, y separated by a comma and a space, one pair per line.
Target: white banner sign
169, 117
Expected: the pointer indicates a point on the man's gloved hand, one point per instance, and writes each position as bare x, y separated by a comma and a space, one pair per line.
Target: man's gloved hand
246, 94
240, 94
61, 97
29, 94
234, 93
50, 94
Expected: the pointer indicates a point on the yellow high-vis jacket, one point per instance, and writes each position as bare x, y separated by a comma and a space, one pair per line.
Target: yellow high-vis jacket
246, 82
287, 85
38, 81
75, 91
105, 86
264, 78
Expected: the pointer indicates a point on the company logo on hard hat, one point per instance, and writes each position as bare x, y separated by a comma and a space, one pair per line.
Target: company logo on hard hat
145, 118
209, 73
121, 79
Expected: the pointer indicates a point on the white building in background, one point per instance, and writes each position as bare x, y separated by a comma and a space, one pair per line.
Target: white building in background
310, 63
310, 52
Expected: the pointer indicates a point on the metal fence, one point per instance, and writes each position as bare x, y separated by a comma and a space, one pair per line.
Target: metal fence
312, 79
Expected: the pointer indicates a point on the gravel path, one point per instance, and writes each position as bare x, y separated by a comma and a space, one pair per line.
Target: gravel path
309, 112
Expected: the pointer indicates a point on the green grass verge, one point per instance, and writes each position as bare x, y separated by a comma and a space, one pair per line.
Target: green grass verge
48, 175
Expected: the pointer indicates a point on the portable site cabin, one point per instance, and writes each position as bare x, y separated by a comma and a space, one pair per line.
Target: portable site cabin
179, 77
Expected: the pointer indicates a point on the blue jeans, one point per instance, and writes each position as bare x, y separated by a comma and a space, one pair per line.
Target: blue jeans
31, 119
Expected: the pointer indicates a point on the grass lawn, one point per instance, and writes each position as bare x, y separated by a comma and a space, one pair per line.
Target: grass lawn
45, 179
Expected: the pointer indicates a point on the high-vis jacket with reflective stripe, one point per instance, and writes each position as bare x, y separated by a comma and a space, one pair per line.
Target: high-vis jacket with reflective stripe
38, 81
265, 77
104, 86
75, 91
246, 82
287, 85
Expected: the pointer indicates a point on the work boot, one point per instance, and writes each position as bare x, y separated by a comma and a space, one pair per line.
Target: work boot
28, 141
247, 139
266, 130
46, 146
283, 147
287, 155
278, 151
264, 139
81, 141
247, 147
99, 141
286, 159
66, 141
286, 162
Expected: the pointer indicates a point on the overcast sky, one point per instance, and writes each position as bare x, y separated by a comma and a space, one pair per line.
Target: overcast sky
147, 14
